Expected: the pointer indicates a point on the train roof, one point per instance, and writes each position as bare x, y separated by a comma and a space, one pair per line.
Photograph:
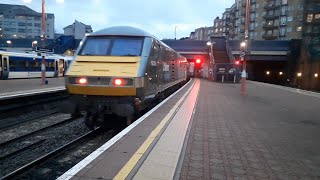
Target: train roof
32, 55
122, 31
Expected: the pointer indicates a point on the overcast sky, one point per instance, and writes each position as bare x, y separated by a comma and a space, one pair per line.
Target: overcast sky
159, 17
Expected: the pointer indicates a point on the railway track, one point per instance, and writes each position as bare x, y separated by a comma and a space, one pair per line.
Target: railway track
34, 168
12, 106
19, 150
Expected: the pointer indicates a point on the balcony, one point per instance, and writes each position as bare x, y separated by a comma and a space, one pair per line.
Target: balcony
252, 19
271, 17
271, 7
314, 21
270, 27
269, 37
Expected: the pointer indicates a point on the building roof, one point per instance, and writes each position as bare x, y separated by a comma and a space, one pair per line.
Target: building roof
263, 45
20, 10
187, 45
71, 25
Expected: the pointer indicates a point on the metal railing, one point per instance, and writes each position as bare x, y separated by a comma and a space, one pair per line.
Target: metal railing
229, 51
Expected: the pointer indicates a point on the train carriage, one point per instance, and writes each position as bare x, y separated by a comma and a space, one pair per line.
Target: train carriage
120, 71
28, 65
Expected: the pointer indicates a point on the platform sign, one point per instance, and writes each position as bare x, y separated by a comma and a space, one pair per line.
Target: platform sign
44, 50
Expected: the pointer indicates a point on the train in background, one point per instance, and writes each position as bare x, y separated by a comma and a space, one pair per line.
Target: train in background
120, 71
28, 65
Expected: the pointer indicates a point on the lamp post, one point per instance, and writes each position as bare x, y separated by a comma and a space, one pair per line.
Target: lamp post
43, 37
245, 47
43, 41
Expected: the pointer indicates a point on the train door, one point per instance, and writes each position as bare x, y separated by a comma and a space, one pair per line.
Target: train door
4, 67
159, 68
61, 67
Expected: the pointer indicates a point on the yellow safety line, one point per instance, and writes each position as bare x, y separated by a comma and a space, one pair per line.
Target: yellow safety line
124, 172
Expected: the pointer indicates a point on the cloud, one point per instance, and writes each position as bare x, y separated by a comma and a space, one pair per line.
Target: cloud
158, 17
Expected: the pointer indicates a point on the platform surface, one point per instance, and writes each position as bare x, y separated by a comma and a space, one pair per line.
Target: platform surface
25, 86
271, 133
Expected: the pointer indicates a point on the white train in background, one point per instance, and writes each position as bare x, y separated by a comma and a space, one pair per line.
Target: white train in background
28, 65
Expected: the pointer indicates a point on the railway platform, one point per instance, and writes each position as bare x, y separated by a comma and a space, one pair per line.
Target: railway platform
23, 87
208, 130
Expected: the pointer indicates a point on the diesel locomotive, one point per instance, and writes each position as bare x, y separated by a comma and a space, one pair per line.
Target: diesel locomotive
119, 72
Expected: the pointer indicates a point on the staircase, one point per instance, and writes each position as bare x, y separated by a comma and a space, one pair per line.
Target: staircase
220, 52
62, 44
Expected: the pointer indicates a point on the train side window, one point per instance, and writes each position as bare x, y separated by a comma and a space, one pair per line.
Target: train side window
34, 65
18, 65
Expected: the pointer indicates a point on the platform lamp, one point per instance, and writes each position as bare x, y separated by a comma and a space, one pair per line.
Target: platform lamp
245, 45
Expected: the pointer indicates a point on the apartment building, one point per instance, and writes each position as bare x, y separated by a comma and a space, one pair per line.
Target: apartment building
19, 21
217, 26
269, 19
202, 33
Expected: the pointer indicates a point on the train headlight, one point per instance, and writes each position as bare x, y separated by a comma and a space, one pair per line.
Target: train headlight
122, 82
118, 82
82, 81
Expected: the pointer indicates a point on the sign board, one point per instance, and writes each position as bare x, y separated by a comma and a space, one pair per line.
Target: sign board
222, 70
44, 50
242, 54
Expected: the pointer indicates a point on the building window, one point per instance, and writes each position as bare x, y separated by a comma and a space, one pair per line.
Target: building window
309, 17
20, 17
37, 24
290, 18
317, 16
21, 24
283, 20
282, 31
299, 28
289, 29
29, 24
21, 30
37, 31
29, 30
9, 17
284, 10
10, 29
252, 26
37, 18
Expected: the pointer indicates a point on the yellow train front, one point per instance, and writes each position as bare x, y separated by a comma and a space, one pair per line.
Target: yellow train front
120, 71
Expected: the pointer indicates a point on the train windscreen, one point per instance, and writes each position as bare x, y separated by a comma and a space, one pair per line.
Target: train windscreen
112, 46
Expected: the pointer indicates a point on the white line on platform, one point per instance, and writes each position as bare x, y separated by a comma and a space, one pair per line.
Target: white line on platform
299, 91
30, 92
75, 169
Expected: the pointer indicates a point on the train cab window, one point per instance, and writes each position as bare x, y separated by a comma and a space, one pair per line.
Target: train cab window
95, 47
127, 47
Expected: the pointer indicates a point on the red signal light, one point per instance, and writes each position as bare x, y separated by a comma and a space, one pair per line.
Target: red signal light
82, 81
237, 62
198, 61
